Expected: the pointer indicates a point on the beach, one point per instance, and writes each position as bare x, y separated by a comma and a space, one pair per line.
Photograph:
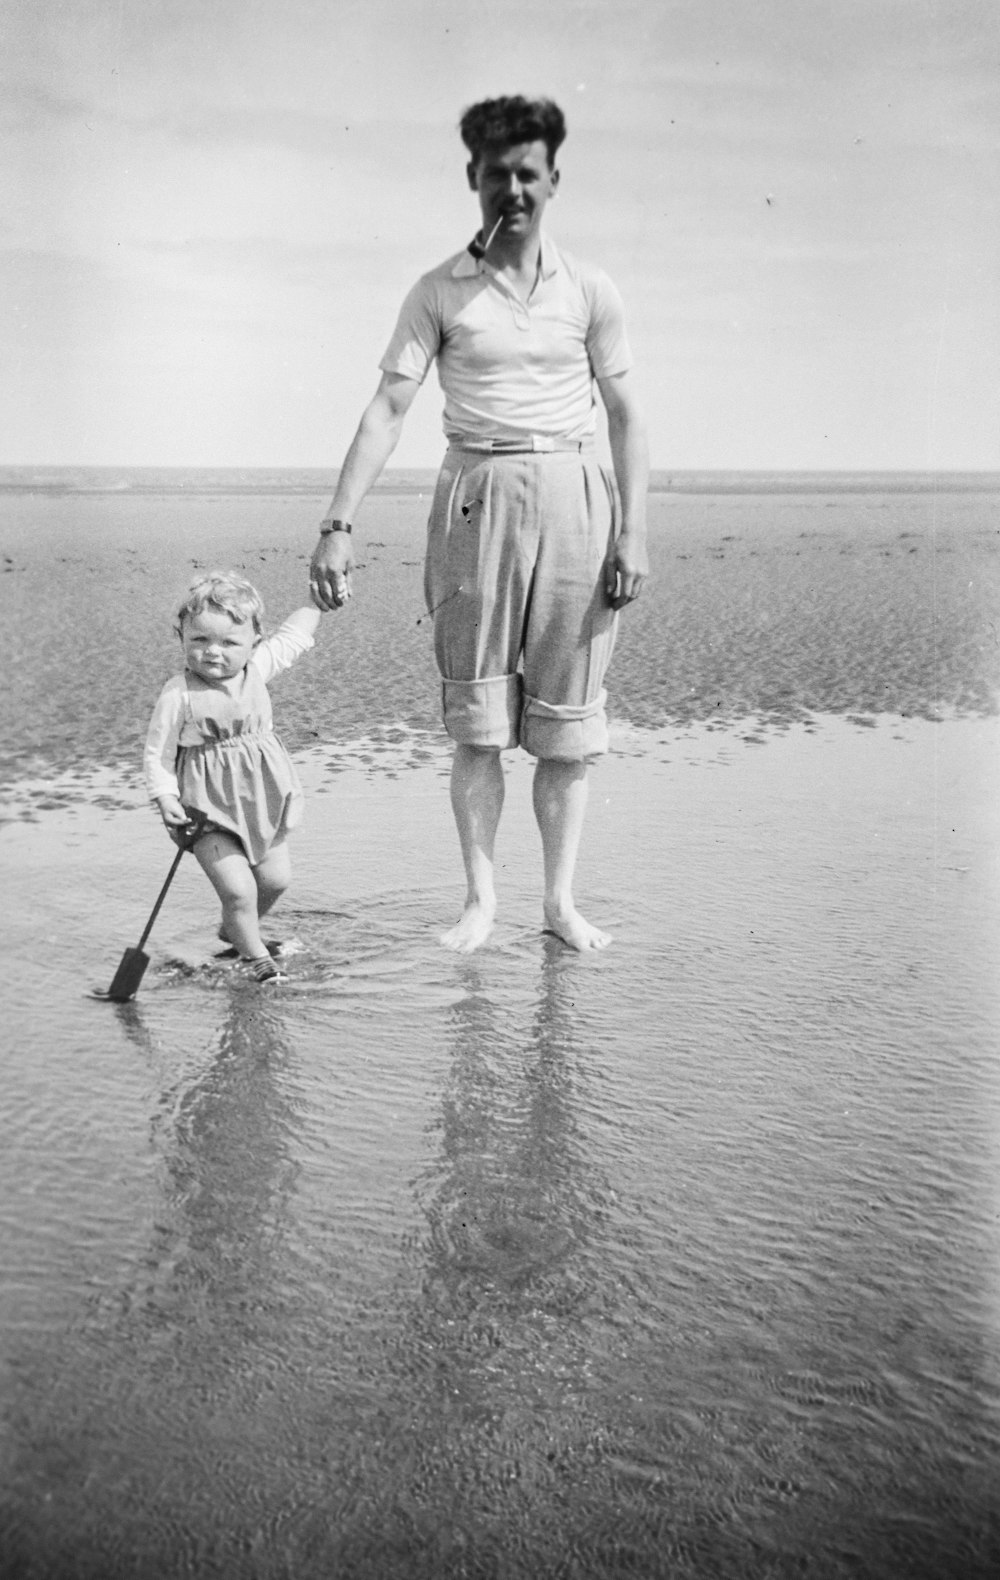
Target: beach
677, 1260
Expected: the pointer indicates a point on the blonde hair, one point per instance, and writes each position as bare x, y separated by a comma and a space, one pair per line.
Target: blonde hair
227, 592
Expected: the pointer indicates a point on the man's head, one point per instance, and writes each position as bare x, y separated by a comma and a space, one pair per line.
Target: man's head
500, 123
513, 143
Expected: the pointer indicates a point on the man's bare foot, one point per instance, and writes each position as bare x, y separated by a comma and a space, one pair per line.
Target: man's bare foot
567, 923
473, 929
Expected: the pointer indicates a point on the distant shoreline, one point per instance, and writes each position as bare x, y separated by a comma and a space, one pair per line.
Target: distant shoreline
209, 481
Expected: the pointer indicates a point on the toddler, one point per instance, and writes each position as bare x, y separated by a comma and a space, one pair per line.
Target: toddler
211, 749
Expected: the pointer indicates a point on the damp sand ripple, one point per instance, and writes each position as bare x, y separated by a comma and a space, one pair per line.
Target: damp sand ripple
762, 607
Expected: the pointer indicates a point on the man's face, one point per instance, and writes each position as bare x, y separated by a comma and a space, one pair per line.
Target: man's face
514, 184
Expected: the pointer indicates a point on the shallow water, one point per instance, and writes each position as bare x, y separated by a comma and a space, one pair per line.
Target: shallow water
681, 1260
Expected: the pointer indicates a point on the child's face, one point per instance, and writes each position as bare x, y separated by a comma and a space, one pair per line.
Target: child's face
217, 647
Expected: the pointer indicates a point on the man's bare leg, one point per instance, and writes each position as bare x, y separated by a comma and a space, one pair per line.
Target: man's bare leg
560, 797
477, 788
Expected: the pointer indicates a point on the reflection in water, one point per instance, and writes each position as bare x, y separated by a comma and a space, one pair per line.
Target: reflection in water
510, 1202
224, 1131
547, 1381
493, 1424
170, 1389
206, 1317
226, 1140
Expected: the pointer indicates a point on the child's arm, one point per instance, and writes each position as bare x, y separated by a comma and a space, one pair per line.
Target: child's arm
306, 620
293, 637
159, 759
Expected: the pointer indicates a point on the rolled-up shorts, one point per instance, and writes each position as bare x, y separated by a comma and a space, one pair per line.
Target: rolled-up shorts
514, 579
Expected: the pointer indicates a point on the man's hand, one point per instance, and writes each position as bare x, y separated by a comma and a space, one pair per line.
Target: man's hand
330, 571
371, 447
627, 566
625, 569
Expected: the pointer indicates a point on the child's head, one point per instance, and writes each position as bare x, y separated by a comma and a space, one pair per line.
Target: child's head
226, 592
219, 624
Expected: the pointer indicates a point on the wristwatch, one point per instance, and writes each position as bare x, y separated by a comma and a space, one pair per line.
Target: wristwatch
326, 527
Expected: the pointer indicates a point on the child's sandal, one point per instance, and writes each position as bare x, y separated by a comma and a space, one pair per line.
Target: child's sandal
274, 946
265, 970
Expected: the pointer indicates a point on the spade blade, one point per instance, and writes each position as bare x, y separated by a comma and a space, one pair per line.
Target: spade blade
125, 983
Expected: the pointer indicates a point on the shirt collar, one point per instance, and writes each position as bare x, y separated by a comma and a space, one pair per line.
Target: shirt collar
467, 266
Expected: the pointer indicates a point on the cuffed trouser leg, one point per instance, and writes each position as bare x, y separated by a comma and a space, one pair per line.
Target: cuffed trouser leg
570, 633
515, 579
564, 734
483, 712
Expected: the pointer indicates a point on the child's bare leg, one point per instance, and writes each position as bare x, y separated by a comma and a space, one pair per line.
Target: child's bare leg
272, 877
223, 860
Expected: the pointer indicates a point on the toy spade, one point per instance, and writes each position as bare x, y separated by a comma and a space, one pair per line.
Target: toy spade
133, 963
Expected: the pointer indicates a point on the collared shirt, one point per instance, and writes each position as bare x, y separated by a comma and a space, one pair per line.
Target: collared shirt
507, 367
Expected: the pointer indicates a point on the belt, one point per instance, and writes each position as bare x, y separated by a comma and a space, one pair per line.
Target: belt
531, 444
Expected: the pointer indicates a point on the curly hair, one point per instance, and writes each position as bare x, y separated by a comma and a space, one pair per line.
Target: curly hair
226, 592
504, 122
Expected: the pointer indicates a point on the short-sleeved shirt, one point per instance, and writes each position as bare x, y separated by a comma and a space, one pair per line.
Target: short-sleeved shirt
507, 367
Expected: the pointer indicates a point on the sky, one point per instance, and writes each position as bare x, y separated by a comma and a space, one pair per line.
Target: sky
210, 211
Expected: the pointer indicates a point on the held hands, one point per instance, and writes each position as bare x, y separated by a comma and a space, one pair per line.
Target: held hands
625, 569
330, 571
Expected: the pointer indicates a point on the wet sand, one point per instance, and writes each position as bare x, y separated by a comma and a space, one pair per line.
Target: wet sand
679, 1260
762, 607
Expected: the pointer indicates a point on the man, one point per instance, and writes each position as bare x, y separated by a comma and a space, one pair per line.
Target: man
528, 559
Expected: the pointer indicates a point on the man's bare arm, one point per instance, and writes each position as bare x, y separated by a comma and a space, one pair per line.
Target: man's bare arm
376, 438
627, 565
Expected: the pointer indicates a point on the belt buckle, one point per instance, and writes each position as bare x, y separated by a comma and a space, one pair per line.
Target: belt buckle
542, 441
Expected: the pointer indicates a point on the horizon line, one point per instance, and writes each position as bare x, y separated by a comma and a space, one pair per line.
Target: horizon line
433, 468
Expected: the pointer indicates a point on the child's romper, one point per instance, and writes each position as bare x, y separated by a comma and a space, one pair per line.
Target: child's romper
226, 760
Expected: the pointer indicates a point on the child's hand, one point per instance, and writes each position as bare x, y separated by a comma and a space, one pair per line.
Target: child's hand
183, 824
171, 811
